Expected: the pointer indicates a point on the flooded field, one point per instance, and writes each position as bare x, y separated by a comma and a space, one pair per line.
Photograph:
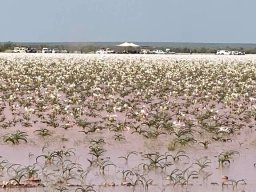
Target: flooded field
124, 123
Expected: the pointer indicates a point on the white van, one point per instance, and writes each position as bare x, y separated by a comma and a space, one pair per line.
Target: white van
223, 52
105, 51
158, 51
19, 50
46, 50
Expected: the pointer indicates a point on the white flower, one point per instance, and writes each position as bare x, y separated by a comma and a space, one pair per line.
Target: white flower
178, 124
224, 129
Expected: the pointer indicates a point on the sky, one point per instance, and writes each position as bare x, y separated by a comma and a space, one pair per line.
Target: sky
199, 21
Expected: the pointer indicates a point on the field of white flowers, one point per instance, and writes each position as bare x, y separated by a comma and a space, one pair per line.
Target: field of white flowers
127, 122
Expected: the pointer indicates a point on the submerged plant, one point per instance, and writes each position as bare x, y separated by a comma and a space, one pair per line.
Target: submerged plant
126, 158
43, 132
178, 155
225, 157
119, 137
155, 159
204, 143
235, 183
96, 151
86, 188
203, 163
16, 137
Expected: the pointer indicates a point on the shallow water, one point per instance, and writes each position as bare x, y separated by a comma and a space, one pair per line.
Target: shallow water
209, 179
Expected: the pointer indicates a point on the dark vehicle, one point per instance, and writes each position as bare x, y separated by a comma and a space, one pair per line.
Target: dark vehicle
31, 50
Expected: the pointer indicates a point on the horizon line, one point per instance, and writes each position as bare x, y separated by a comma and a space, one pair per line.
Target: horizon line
126, 41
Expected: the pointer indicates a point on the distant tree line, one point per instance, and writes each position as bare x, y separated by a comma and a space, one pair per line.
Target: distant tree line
92, 48
6, 46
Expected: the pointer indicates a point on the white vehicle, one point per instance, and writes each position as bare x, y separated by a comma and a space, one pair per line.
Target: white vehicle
101, 51
63, 51
46, 50
234, 53
19, 50
168, 51
157, 51
55, 51
105, 51
144, 51
241, 53
223, 52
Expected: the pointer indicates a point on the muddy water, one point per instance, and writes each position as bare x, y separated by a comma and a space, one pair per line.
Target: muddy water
241, 166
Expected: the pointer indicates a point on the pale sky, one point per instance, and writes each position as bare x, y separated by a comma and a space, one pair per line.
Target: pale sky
216, 21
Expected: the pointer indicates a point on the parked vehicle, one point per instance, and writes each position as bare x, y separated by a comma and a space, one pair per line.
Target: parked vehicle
55, 51
168, 51
31, 50
64, 51
241, 53
157, 51
46, 50
145, 51
105, 51
234, 53
19, 50
223, 52
101, 51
